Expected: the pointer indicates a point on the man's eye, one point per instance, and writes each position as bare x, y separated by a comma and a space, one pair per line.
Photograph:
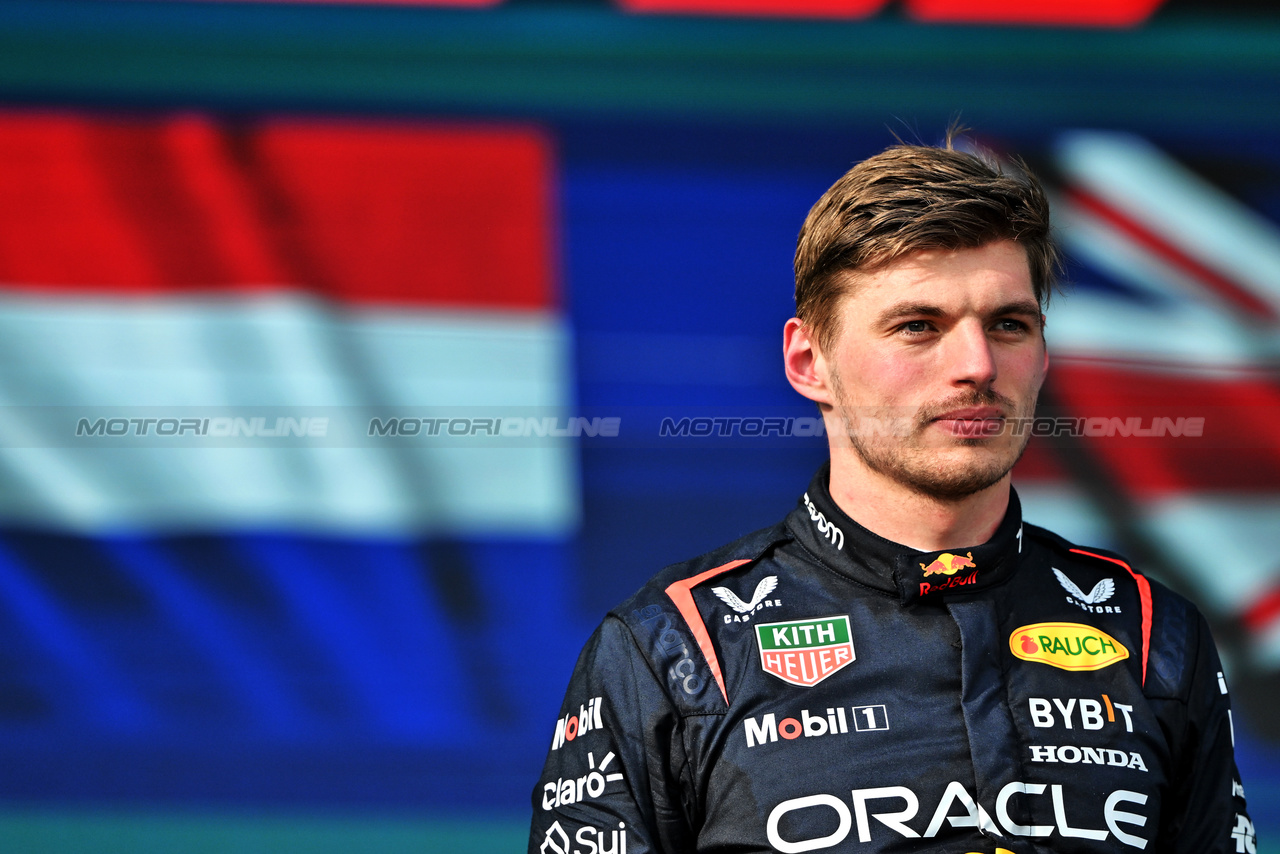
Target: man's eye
1011, 326
916, 326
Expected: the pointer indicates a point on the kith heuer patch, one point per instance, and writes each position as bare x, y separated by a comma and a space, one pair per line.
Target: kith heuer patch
804, 652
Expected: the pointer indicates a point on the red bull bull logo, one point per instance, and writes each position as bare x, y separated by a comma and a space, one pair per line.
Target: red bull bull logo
948, 564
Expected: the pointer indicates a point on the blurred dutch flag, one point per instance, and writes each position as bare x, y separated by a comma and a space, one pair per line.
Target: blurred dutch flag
293, 592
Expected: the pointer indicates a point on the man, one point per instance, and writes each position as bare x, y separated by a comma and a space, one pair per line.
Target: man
902, 664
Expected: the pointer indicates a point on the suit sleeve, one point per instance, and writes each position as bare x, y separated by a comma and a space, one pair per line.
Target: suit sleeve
614, 780
1206, 803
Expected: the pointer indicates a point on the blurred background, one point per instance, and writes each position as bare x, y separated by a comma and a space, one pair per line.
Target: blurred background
316, 319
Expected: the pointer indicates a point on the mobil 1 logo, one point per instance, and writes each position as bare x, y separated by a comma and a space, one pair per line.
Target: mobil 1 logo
767, 728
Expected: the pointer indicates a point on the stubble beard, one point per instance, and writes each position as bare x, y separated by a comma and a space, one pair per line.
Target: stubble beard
902, 456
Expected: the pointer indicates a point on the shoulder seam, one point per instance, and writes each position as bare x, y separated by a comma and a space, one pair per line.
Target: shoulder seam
681, 595
639, 653
1144, 595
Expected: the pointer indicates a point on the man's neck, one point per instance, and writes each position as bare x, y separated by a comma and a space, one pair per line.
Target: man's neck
899, 514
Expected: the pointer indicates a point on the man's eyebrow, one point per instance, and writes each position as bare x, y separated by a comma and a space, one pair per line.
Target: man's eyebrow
1024, 308
908, 309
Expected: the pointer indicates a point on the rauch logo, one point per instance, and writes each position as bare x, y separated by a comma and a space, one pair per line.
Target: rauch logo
804, 652
1067, 646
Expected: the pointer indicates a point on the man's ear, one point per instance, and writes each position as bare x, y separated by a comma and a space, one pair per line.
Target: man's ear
804, 363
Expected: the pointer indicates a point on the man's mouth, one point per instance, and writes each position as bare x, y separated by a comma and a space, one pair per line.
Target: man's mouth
972, 421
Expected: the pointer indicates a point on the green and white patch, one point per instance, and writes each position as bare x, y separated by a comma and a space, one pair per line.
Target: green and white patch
804, 652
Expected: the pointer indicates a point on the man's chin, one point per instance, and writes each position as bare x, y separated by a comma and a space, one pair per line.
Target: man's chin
970, 466
946, 473
952, 484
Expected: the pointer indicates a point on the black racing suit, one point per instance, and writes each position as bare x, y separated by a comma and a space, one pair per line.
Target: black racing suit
815, 687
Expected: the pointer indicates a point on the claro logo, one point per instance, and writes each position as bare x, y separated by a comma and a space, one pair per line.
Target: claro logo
894, 806
1067, 646
562, 792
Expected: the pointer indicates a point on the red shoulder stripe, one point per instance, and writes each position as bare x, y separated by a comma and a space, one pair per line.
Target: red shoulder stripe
1144, 592
681, 593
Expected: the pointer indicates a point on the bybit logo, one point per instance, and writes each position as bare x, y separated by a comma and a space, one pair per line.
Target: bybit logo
1085, 711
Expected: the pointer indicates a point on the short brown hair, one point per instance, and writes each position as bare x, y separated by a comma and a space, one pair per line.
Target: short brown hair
909, 198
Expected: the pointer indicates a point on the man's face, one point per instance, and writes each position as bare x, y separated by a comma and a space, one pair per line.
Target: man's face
936, 353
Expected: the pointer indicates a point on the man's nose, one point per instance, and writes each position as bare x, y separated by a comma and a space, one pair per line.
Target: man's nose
971, 360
